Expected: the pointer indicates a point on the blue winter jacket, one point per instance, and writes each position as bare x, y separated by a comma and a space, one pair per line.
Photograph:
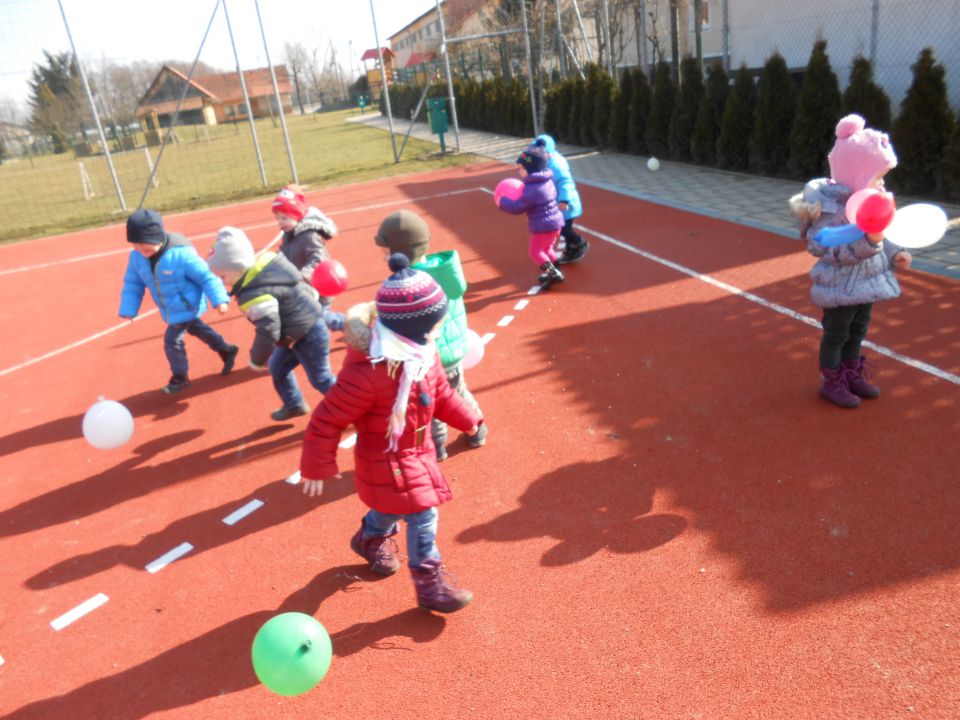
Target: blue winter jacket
562, 179
178, 284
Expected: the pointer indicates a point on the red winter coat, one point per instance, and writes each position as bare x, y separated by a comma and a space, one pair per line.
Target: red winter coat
399, 483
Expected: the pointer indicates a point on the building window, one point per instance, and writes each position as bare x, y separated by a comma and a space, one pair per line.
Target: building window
705, 22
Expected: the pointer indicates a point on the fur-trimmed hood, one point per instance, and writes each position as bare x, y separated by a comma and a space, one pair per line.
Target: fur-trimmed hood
358, 326
318, 222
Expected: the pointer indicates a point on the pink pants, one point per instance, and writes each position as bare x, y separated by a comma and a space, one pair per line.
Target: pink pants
541, 247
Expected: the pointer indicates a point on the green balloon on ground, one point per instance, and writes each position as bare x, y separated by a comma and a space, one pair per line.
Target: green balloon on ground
291, 653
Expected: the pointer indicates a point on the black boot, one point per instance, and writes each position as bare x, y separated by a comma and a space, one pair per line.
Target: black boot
550, 275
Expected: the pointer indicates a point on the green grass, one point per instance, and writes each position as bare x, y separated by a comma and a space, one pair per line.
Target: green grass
44, 195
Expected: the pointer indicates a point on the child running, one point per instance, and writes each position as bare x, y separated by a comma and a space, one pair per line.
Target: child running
568, 200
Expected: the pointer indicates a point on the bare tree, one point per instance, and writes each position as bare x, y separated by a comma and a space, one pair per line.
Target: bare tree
299, 62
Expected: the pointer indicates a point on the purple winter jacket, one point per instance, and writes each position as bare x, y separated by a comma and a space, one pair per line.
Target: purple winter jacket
538, 201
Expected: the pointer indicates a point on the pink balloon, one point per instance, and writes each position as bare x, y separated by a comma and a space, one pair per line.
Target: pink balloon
853, 204
510, 188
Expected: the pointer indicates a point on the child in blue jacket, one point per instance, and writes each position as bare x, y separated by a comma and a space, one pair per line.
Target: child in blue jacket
568, 200
167, 265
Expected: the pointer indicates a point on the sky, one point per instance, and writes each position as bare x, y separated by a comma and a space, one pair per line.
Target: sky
128, 30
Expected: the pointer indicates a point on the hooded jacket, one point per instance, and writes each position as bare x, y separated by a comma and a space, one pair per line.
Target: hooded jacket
445, 268
306, 245
562, 179
178, 282
274, 298
538, 201
402, 482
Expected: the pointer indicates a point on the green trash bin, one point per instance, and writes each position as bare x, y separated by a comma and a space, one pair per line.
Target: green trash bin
437, 112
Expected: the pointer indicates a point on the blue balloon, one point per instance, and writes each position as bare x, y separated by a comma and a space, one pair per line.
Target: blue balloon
840, 235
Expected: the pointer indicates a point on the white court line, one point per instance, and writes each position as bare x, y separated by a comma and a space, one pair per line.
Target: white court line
487, 337
79, 611
505, 320
534, 290
161, 562
293, 479
349, 441
521, 304
776, 307
240, 514
2, 661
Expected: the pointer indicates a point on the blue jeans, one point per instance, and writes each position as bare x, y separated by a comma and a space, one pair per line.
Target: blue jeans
177, 353
421, 532
313, 352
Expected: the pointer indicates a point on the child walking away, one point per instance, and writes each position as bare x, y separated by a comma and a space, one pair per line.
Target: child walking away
391, 386
167, 265
406, 232
568, 200
306, 231
289, 321
544, 220
848, 279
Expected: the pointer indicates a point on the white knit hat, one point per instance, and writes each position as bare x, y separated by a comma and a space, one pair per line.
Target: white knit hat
232, 254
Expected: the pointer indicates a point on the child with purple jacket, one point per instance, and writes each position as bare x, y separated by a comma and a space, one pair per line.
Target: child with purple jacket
544, 219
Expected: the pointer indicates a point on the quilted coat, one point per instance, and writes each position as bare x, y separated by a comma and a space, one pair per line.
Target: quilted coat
538, 201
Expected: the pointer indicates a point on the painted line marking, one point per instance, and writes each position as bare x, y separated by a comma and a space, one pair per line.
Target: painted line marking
79, 611
487, 337
349, 441
521, 304
505, 320
776, 307
2, 661
240, 514
293, 479
161, 562
534, 290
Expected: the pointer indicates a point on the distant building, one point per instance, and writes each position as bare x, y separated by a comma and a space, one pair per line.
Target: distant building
16, 140
373, 72
211, 99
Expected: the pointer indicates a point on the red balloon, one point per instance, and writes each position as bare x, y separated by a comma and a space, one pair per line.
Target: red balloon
330, 278
876, 212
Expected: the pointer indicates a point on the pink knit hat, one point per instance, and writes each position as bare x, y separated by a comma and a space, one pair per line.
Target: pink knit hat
860, 154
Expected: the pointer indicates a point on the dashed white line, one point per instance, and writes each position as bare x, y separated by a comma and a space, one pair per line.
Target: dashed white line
534, 290
2, 661
349, 441
293, 479
240, 514
505, 320
487, 337
79, 611
161, 562
521, 304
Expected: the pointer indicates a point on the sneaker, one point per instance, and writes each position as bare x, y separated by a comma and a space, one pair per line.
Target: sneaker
550, 275
478, 438
175, 385
229, 357
574, 253
287, 413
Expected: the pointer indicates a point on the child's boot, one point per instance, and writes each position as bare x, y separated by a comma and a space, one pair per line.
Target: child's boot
434, 589
176, 384
380, 551
290, 412
574, 252
857, 372
834, 388
229, 357
549, 275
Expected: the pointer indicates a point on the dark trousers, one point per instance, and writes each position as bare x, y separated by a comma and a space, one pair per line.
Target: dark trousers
569, 235
176, 352
844, 329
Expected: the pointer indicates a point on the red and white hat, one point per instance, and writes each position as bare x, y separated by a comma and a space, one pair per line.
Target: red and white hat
290, 202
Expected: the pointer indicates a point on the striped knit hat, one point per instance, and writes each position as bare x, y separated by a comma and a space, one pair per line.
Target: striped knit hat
410, 303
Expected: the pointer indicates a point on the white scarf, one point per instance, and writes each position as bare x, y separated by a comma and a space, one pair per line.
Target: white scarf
396, 350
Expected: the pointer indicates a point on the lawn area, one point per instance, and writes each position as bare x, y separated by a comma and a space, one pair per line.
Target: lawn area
45, 195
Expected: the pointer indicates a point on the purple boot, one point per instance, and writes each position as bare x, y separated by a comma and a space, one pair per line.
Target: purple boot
380, 551
434, 590
835, 388
857, 372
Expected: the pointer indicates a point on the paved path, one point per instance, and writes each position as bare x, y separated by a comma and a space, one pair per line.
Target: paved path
752, 200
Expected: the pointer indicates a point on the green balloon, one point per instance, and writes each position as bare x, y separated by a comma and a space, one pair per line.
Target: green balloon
291, 653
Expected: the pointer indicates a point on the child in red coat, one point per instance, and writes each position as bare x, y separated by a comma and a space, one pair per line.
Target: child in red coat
391, 386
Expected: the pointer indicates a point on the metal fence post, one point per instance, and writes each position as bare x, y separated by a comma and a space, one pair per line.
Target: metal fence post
446, 65
526, 48
386, 89
276, 93
246, 97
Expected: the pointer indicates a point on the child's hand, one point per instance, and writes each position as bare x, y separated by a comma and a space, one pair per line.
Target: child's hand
223, 307
902, 260
314, 488
875, 238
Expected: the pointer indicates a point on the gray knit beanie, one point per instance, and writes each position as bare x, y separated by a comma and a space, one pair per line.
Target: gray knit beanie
232, 253
404, 232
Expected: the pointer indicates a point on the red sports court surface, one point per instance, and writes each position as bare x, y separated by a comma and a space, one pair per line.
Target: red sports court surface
666, 521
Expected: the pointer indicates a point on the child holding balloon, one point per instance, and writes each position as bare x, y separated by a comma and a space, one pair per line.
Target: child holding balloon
544, 220
568, 200
306, 231
849, 278
167, 265
405, 232
390, 388
289, 320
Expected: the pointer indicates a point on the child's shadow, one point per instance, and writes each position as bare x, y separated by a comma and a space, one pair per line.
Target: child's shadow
503, 293
587, 507
146, 406
218, 662
205, 531
132, 478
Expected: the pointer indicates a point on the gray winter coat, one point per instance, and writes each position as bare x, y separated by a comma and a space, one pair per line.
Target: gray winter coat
277, 302
853, 274
306, 245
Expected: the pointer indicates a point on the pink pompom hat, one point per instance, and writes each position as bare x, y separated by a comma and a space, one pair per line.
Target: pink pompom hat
860, 154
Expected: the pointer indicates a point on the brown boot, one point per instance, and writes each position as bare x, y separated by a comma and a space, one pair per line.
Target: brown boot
380, 551
434, 589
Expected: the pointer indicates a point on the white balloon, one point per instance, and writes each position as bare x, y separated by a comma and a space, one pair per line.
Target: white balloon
475, 350
107, 425
653, 164
917, 226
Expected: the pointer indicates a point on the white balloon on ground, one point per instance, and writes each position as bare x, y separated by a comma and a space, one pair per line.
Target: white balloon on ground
107, 425
917, 226
653, 164
475, 350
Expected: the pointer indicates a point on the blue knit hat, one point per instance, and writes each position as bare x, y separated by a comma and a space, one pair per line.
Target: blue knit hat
410, 302
145, 226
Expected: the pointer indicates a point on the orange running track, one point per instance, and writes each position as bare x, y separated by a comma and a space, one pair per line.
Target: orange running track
666, 521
